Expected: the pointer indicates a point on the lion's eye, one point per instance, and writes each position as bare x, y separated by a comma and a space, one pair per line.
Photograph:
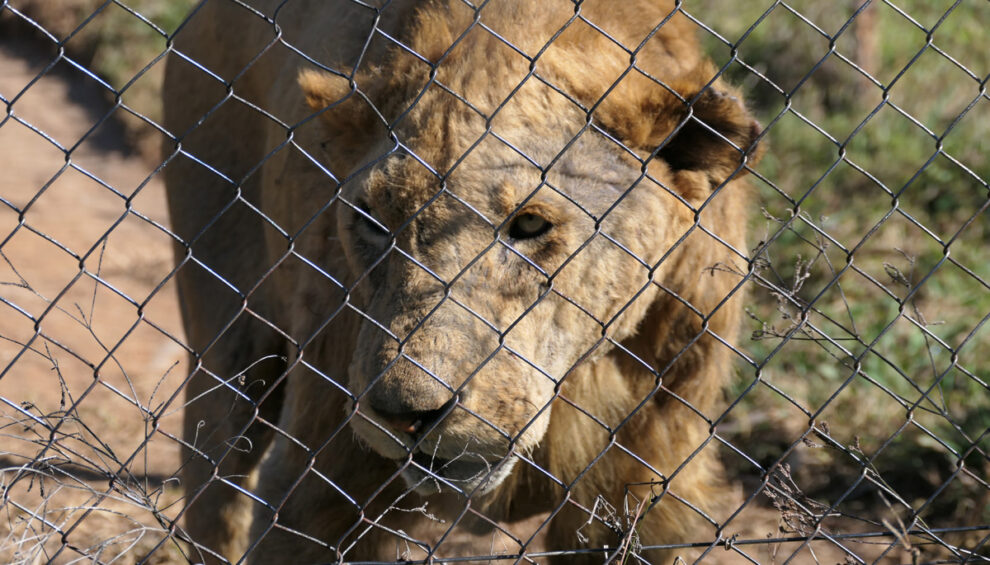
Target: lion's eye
528, 226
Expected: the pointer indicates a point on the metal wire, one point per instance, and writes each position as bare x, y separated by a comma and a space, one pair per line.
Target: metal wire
291, 413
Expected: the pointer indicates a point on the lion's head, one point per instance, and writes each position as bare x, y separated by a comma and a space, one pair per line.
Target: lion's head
506, 218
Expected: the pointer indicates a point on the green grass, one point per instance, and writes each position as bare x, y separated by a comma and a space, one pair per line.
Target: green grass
874, 194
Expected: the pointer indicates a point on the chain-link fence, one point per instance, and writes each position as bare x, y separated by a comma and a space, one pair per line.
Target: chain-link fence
498, 281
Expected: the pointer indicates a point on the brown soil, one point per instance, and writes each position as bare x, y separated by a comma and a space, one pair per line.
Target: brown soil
90, 338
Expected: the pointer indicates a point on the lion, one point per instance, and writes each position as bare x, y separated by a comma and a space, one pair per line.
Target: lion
446, 267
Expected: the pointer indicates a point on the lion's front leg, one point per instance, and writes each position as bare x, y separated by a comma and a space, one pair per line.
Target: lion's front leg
348, 506
223, 444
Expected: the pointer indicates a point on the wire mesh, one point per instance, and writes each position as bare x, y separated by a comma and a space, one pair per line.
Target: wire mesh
533, 282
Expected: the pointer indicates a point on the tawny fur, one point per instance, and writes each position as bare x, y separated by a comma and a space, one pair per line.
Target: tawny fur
620, 422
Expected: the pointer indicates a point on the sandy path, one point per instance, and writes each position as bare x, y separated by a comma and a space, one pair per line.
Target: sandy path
91, 359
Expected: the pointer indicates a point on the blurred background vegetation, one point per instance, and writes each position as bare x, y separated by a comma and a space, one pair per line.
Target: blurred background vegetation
120, 43
867, 325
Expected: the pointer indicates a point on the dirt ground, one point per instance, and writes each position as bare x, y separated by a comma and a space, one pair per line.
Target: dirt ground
90, 338
91, 356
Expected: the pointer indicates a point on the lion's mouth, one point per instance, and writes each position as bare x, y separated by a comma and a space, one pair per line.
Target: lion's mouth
467, 472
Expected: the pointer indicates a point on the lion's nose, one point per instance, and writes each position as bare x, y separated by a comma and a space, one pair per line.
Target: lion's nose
412, 422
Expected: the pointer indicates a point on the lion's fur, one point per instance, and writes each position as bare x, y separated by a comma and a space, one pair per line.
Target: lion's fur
265, 194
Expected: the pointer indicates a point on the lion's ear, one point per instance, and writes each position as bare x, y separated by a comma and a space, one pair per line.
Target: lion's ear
350, 122
696, 127
714, 134
323, 89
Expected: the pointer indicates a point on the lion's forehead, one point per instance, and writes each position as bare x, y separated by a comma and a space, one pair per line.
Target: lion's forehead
494, 181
